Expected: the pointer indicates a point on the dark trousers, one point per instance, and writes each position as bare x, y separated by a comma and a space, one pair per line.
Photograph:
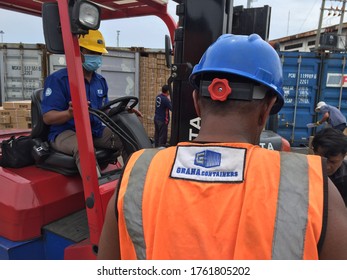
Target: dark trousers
160, 133
66, 142
340, 127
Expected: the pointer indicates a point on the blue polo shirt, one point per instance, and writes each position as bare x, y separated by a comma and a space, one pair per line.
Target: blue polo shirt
162, 108
56, 96
335, 116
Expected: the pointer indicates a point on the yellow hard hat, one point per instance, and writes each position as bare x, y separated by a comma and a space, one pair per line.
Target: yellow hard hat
93, 41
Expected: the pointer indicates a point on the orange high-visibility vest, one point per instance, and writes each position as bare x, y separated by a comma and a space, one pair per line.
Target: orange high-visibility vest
220, 201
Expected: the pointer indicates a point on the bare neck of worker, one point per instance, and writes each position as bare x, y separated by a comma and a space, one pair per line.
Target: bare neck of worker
223, 129
235, 122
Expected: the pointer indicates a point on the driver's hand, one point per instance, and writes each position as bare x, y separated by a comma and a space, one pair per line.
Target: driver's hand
137, 112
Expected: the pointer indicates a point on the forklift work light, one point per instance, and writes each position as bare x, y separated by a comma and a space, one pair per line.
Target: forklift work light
85, 16
89, 16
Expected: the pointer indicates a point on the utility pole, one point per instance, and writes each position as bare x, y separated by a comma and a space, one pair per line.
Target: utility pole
319, 24
339, 31
2, 35
341, 14
118, 31
288, 22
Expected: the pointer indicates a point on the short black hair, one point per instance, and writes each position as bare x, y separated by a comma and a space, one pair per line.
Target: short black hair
332, 141
165, 88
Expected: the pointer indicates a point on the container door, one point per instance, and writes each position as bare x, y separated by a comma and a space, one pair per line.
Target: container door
334, 82
300, 80
21, 71
121, 71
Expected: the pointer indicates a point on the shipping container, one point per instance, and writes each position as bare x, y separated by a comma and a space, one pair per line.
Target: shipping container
22, 70
307, 79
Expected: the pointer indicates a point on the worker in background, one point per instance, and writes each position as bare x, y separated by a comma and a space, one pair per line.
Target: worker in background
332, 144
332, 115
57, 107
162, 116
222, 196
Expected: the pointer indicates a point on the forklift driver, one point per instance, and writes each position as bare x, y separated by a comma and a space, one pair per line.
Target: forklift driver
57, 106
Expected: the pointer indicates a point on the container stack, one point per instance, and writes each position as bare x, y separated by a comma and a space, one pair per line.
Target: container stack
153, 75
15, 114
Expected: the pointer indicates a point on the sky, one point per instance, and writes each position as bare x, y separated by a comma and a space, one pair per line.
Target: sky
287, 18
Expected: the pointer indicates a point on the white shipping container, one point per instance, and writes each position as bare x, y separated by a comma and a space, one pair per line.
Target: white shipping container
22, 70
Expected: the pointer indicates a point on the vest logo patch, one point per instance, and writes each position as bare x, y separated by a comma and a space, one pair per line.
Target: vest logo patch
207, 159
209, 164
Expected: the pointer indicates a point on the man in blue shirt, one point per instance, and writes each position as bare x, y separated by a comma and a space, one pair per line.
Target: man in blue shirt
162, 117
332, 115
57, 107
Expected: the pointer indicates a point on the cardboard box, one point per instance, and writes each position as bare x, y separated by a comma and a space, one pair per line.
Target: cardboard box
18, 120
5, 119
4, 112
24, 104
6, 125
15, 113
15, 125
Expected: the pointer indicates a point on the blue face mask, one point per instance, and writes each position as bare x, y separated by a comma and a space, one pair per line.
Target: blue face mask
92, 62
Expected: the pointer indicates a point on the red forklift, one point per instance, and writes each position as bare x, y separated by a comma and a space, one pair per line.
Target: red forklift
49, 211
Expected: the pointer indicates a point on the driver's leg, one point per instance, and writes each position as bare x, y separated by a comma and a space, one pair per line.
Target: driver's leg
66, 142
109, 140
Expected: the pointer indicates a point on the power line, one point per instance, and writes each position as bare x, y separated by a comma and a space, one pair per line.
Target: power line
307, 16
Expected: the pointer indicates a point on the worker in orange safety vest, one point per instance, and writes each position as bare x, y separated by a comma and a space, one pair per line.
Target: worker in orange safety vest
222, 196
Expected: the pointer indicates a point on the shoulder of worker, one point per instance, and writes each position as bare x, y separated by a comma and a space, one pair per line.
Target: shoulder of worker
59, 73
99, 76
152, 152
335, 243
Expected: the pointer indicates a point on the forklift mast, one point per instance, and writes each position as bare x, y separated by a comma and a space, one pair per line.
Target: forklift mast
200, 23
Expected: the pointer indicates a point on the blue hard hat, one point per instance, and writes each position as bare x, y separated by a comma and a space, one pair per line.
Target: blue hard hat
247, 56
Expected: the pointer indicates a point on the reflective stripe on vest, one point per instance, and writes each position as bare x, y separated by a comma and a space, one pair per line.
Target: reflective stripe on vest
133, 202
291, 220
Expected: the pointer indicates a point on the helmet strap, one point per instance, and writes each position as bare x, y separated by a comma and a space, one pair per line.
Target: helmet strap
238, 91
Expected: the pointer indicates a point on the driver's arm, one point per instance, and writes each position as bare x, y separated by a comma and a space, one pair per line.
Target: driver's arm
137, 112
54, 117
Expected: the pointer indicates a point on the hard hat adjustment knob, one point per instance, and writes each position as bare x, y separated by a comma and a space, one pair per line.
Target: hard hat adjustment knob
219, 89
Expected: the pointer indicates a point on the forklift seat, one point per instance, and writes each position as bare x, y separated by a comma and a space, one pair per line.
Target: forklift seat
58, 161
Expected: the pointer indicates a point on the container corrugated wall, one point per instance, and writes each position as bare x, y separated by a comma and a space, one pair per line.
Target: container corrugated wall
300, 84
334, 82
121, 71
119, 67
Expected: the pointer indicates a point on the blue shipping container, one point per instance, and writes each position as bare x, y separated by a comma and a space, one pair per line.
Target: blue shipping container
307, 79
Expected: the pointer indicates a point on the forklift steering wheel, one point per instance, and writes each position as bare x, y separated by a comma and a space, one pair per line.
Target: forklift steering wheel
121, 105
